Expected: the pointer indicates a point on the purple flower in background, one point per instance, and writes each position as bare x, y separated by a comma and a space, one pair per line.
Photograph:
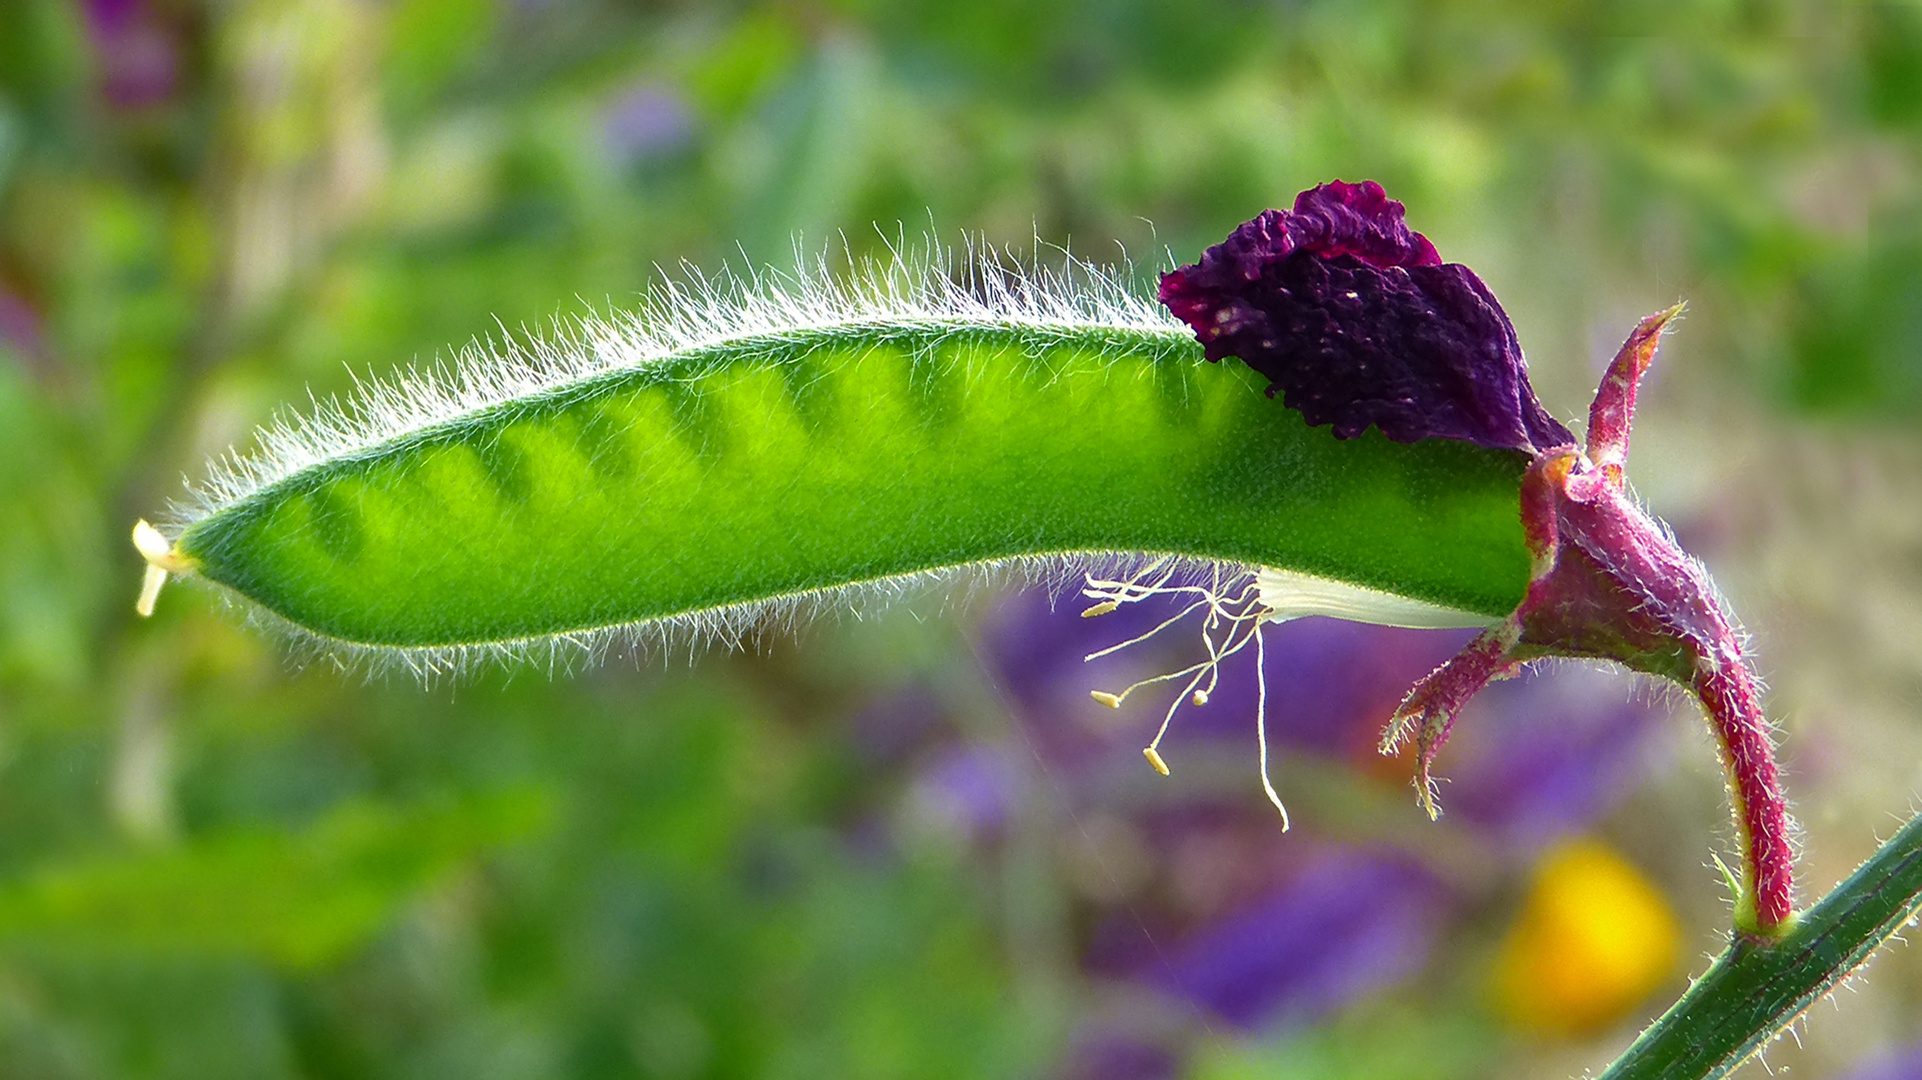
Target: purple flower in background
21, 327
1330, 683
646, 123
1904, 1063
1263, 933
898, 726
1552, 755
1109, 1055
971, 788
138, 57
1355, 319
1347, 923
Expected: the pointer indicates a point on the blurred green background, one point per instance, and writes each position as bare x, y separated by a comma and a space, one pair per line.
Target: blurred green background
217, 863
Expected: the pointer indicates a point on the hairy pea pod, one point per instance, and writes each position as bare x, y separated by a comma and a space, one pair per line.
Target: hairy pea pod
816, 439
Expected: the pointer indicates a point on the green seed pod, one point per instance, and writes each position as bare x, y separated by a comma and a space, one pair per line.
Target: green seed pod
739, 448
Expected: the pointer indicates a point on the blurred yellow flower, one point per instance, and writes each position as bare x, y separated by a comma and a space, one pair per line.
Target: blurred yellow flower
1593, 938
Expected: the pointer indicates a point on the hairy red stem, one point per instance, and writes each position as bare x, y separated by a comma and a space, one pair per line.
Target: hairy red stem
1610, 583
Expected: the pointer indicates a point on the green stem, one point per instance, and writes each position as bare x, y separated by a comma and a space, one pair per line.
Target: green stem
1756, 989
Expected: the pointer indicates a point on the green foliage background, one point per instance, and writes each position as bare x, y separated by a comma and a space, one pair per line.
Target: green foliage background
213, 866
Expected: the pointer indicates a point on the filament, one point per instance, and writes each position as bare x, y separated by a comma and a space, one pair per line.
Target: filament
1233, 617
1261, 725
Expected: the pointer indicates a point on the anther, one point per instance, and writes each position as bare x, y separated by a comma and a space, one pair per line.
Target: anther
1112, 701
1100, 609
1154, 758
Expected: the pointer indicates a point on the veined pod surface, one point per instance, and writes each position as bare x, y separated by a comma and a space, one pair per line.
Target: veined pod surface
791, 459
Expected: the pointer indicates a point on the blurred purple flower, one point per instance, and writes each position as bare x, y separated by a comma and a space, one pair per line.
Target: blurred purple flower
1344, 925
971, 788
1903, 1063
1331, 684
1109, 1055
896, 727
21, 327
1218, 859
1550, 753
138, 57
646, 123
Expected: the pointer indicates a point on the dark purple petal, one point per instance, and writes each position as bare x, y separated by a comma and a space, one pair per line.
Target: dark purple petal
1354, 319
1330, 220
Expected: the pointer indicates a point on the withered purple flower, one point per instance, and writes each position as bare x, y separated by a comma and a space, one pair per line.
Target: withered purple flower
1356, 320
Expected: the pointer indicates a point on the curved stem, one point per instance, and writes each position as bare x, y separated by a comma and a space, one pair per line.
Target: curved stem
1727, 691
1758, 987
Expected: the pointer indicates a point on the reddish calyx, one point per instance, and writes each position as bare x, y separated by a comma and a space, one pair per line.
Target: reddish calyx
1610, 583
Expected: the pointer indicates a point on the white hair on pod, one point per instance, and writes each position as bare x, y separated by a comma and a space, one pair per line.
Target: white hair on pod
914, 288
918, 288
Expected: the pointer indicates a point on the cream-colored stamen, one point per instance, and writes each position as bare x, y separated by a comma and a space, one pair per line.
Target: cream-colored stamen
162, 560
1261, 726
1234, 615
1233, 619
